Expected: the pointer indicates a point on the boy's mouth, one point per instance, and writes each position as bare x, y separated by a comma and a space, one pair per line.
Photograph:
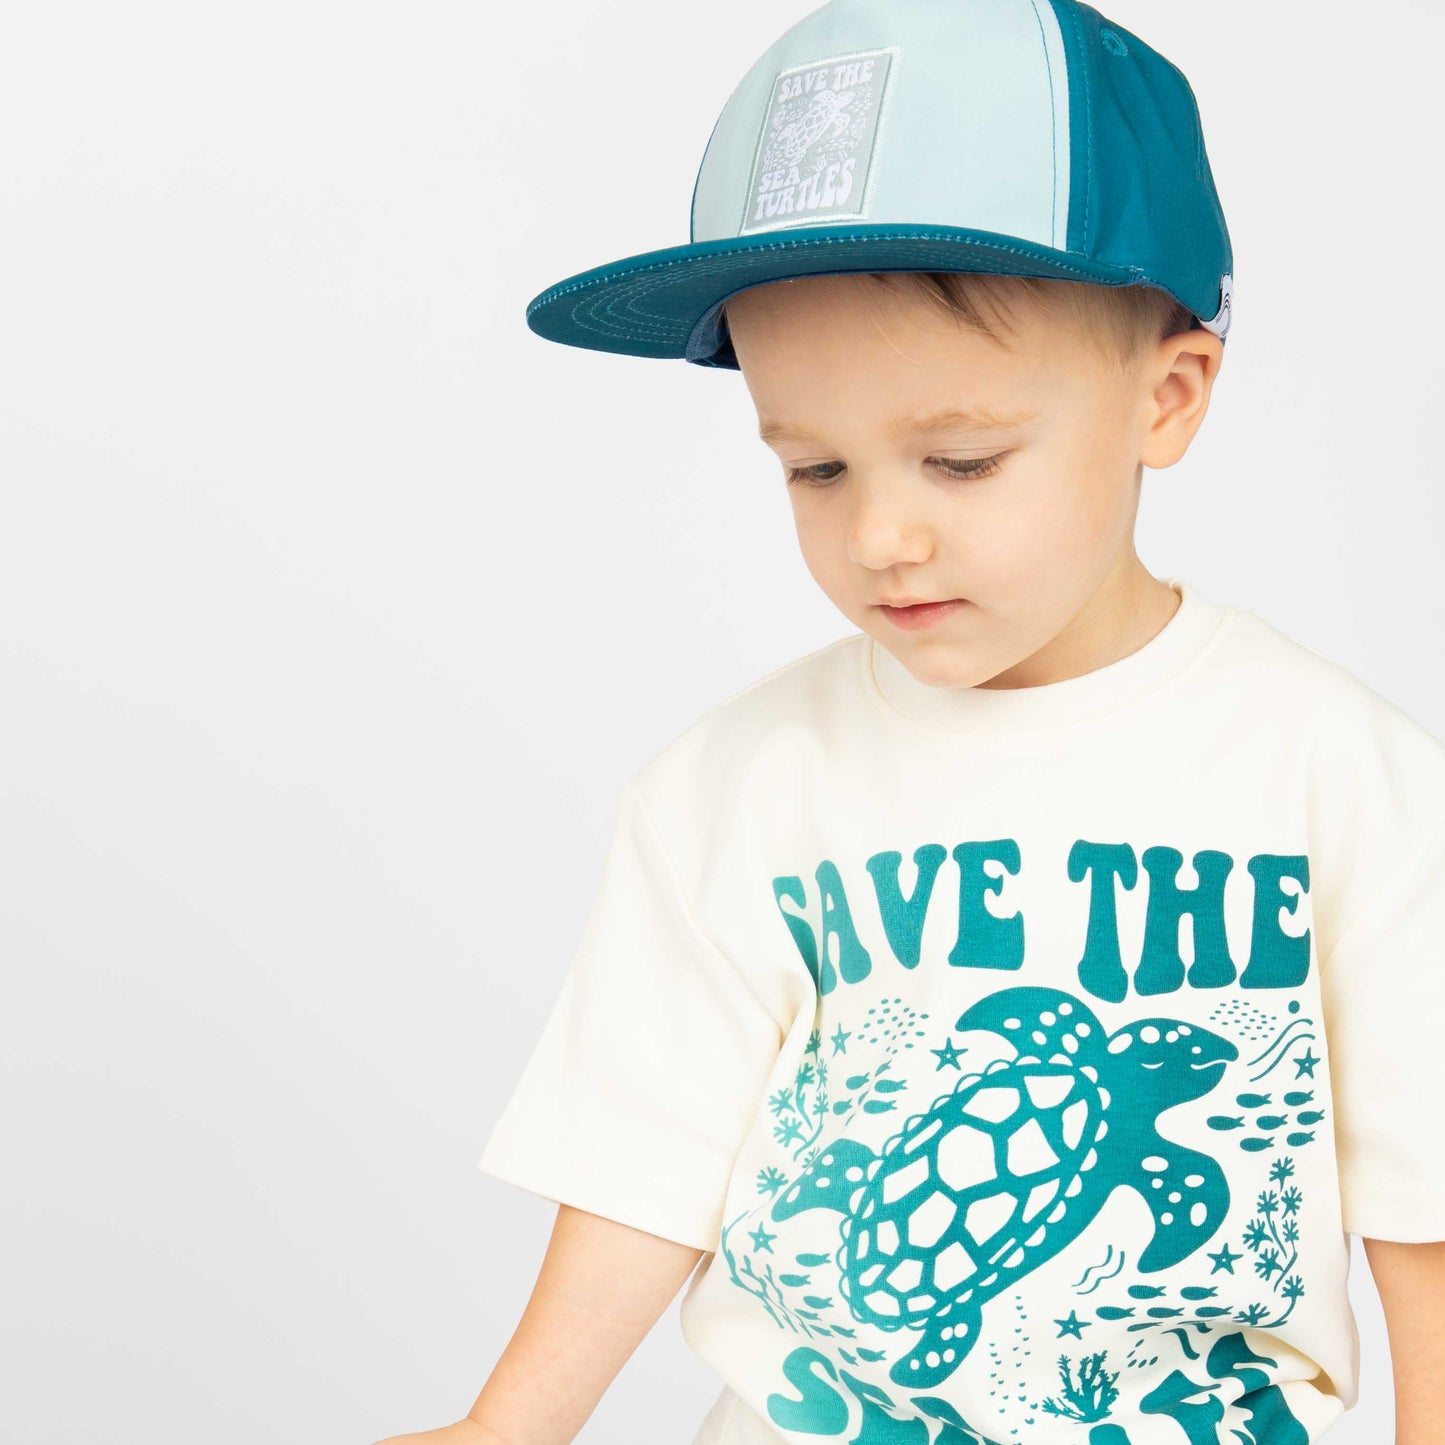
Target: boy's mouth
921, 614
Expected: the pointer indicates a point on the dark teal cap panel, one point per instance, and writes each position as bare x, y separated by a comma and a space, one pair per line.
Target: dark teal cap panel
1143, 193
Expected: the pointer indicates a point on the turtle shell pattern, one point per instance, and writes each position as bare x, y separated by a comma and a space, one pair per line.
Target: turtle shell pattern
971, 1194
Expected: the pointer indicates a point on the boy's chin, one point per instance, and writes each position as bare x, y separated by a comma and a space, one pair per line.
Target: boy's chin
934, 661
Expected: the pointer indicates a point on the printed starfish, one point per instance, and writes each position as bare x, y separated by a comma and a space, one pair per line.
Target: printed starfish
1224, 1260
948, 1054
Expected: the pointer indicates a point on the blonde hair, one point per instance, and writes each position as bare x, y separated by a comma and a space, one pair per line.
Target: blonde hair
1120, 322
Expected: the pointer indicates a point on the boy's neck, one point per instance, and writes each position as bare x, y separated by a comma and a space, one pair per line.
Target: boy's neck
1129, 608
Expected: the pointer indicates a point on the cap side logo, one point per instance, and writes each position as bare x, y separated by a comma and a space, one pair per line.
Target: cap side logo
818, 141
1221, 323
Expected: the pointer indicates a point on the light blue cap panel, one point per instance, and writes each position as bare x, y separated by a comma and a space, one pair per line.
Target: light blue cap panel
840, 121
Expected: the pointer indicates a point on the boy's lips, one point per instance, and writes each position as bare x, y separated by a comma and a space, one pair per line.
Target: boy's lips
914, 615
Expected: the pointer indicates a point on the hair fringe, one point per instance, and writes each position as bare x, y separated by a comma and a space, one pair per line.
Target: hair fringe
1121, 322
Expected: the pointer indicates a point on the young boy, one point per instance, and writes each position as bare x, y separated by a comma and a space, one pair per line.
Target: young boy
1016, 1003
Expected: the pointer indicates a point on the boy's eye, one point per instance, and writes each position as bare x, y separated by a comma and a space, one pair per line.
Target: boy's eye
981, 467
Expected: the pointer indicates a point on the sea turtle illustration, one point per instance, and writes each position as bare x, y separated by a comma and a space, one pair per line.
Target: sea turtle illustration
828, 111
1001, 1173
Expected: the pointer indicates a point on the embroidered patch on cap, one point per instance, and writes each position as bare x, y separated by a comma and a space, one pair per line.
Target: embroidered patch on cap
818, 141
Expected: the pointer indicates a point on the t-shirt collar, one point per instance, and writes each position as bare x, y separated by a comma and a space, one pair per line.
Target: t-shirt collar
1052, 704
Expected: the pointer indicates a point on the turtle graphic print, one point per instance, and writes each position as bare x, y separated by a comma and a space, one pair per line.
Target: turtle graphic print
1002, 1172
952, 1218
935, 1227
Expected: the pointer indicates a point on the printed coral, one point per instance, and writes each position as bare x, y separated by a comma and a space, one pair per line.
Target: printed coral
1090, 1398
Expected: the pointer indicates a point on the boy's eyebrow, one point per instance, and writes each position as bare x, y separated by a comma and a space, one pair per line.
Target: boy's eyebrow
978, 418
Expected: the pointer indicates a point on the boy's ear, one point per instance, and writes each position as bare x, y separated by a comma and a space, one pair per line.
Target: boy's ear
1182, 381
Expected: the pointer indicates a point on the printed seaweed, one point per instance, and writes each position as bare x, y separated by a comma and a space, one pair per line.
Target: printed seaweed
1273, 1234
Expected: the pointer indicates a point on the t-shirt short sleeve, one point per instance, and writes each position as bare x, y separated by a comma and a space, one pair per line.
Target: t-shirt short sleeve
1383, 988
650, 1066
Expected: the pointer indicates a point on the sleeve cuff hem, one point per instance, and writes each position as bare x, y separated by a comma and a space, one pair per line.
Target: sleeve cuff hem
1407, 1217
669, 1217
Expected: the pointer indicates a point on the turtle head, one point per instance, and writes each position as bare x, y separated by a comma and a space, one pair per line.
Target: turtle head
1181, 1060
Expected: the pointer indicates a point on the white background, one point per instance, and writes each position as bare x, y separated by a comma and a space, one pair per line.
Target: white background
335, 607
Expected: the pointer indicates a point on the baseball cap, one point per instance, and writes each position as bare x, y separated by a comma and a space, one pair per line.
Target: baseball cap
1015, 137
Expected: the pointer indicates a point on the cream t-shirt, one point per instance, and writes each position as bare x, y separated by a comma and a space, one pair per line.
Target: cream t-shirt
1021, 1059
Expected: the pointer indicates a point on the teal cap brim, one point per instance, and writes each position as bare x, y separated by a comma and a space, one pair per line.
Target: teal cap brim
665, 303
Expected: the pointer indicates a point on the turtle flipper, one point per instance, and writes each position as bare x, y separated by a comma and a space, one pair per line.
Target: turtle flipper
947, 1337
1040, 1022
829, 1182
1188, 1195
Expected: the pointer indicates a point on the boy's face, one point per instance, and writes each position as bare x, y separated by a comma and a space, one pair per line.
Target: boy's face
1028, 516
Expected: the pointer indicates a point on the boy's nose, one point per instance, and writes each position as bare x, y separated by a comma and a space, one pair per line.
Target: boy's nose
886, 525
